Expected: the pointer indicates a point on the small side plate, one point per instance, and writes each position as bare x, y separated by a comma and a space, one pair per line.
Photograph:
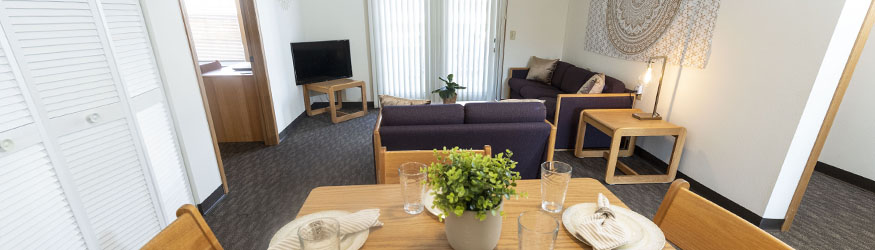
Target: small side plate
641, 232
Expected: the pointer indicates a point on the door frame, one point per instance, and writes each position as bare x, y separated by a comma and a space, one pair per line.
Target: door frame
828, 120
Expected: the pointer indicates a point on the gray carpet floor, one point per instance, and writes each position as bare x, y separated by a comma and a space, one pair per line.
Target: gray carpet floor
269, 185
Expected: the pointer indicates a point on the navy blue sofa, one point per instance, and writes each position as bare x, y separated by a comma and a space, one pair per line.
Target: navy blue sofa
518, 127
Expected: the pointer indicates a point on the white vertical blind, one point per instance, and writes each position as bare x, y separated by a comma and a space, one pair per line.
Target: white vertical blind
400, 35
415, 42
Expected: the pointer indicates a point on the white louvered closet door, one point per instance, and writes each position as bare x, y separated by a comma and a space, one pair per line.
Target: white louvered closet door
35, 213
97, 97
140, 75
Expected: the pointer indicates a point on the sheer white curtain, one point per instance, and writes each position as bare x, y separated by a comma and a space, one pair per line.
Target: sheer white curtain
413, 42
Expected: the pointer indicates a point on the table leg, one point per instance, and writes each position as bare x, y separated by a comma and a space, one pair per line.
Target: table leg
630, 148
676, 155
307, 101
340, 99
616, 138
581, 133
364, 98
332, 107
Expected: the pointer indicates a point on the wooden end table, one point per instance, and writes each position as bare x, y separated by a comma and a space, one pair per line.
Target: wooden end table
618, 123
334, 104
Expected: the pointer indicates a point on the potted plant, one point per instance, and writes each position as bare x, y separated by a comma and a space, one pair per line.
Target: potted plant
448, 92
468, 189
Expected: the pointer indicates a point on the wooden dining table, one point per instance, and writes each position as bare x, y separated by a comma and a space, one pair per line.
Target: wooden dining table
423, 231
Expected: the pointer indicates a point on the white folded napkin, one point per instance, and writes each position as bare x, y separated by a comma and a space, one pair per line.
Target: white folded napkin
350, 223
601, 230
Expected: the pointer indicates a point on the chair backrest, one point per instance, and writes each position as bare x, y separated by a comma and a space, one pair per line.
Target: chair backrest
692, 222
188, 231
389, 161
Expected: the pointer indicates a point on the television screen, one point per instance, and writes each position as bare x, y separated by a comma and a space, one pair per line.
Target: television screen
321, 61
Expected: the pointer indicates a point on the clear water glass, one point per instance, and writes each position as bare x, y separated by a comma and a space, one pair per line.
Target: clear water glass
320, 234
555, 176
537, 230
412, 176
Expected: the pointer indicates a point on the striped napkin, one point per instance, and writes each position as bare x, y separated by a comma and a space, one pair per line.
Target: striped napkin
601, 230
350, 223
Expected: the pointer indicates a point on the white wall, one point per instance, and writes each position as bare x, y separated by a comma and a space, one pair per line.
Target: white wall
180, 80
540, 31
340, 20
741, 111
281, 25
851, 142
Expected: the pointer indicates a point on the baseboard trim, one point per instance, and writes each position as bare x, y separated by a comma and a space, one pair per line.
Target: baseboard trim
211, 201
844, 175
713, 196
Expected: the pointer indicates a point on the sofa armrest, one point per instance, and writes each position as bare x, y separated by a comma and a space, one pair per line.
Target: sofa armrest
518, 73
567, 114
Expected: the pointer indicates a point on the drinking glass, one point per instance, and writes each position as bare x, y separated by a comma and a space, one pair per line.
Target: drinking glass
320, 234
537, 230
412, 176
555, 176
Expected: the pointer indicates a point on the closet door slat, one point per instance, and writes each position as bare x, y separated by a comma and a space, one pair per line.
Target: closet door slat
104, 184
13, 108
24, 224
140, 76
54, 38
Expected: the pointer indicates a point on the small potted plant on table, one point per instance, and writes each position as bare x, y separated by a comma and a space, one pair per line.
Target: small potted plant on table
448, 92
469, 189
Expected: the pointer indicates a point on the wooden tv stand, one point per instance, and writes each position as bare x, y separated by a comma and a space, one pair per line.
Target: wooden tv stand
334, 104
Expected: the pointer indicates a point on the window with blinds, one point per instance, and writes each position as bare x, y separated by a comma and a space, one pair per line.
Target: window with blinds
416, 41
215, 29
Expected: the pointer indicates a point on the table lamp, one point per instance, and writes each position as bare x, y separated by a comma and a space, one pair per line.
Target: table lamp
648, 76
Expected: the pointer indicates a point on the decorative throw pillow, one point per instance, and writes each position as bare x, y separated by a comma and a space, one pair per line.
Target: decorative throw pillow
541, 70
387, 100
594, 85
523, 100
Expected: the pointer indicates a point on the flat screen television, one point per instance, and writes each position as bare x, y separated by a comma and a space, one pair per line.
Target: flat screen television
321, 61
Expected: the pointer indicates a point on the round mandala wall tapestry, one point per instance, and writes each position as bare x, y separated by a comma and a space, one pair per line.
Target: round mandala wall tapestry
634, 25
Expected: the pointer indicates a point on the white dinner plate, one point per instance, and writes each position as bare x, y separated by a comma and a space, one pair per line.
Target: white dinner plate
641, 232
428, 201
348, 242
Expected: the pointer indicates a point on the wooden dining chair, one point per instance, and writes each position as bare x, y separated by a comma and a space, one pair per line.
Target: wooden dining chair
188, 231
389, 161
692, 222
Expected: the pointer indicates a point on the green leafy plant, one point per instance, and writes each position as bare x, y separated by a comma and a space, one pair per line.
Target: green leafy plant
448, 91
471, 181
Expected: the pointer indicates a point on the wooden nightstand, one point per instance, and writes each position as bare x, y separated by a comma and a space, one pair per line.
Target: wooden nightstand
618, 123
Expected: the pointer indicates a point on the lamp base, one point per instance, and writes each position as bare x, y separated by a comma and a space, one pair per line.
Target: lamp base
646, 116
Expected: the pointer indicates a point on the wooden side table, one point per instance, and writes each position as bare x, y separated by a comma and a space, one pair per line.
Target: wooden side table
335, 103
618, 123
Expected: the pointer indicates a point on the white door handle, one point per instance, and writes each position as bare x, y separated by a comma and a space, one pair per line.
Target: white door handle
93, 118
7, 145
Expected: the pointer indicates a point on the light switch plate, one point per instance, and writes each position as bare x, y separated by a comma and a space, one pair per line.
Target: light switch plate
513, 35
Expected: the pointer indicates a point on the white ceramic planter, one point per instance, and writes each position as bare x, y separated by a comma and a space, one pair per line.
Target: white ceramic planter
466, 232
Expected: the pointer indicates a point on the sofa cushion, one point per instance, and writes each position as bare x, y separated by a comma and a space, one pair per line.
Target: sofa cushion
595, 85
541, 69
423, 115
574, 78
509, 112
535, 92
559, 73
516, 84
612, 85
